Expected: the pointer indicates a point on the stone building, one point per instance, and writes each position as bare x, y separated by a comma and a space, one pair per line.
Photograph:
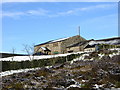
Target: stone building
102, 44
57, 46
76, 47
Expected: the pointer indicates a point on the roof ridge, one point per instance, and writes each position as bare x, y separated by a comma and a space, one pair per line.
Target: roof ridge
56, 40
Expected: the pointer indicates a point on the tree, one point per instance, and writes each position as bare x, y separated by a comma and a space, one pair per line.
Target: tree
29, 50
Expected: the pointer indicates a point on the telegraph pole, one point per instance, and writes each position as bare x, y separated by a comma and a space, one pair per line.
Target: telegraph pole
79, 34
79, 30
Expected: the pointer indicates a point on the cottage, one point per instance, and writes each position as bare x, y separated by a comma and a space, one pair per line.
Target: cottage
58, 46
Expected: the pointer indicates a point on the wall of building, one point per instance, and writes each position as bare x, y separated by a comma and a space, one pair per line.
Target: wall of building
73, 49
54, 47
60, 47
76, 48
90, 49
70, 41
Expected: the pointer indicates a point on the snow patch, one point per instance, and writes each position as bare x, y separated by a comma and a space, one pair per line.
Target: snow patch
59, 39
82, 57
98, 86
16, 71
111, 42
74, 85
43, 48
24, 58
10, 72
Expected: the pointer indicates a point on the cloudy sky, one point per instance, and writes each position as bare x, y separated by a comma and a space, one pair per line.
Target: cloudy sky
38, 22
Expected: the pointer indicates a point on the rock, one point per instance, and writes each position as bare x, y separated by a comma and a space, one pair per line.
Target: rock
57, 66
47, 70
32, 83
105, 58
116, 59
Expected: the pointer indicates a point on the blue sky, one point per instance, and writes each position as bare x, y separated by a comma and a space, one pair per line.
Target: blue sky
37, 22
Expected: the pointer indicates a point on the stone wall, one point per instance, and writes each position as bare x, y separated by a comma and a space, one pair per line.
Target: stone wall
70, 41
60, 46
54, 47
74, 49
90, 49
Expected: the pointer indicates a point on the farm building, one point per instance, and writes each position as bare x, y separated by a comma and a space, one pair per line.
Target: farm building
74, 44
108, 43
58, 46
77, 46
94, 45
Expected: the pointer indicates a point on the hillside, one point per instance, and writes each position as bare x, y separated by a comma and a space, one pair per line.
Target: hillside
92, 70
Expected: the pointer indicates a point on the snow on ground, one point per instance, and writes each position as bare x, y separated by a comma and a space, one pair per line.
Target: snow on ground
82, 57
77, 84
10, 72
79, 58
16, 71
115, 49
111, 55
24, 58
98, 86
101, 55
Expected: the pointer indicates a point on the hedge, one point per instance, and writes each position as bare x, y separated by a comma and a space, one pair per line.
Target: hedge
14, 65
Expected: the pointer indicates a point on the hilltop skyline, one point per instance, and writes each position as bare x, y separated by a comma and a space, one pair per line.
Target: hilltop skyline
38, 22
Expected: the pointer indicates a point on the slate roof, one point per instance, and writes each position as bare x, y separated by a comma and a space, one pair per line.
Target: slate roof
52, 41
86, 43
57, 40
77, 44
108, 39
90, 46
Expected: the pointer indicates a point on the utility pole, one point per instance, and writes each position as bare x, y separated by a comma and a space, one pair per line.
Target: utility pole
79, 34
79, 30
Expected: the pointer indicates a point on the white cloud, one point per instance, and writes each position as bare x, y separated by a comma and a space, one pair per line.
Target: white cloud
40, 12
37, 12
77, 10
43, 12
10, 14
100, 6
60, 1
